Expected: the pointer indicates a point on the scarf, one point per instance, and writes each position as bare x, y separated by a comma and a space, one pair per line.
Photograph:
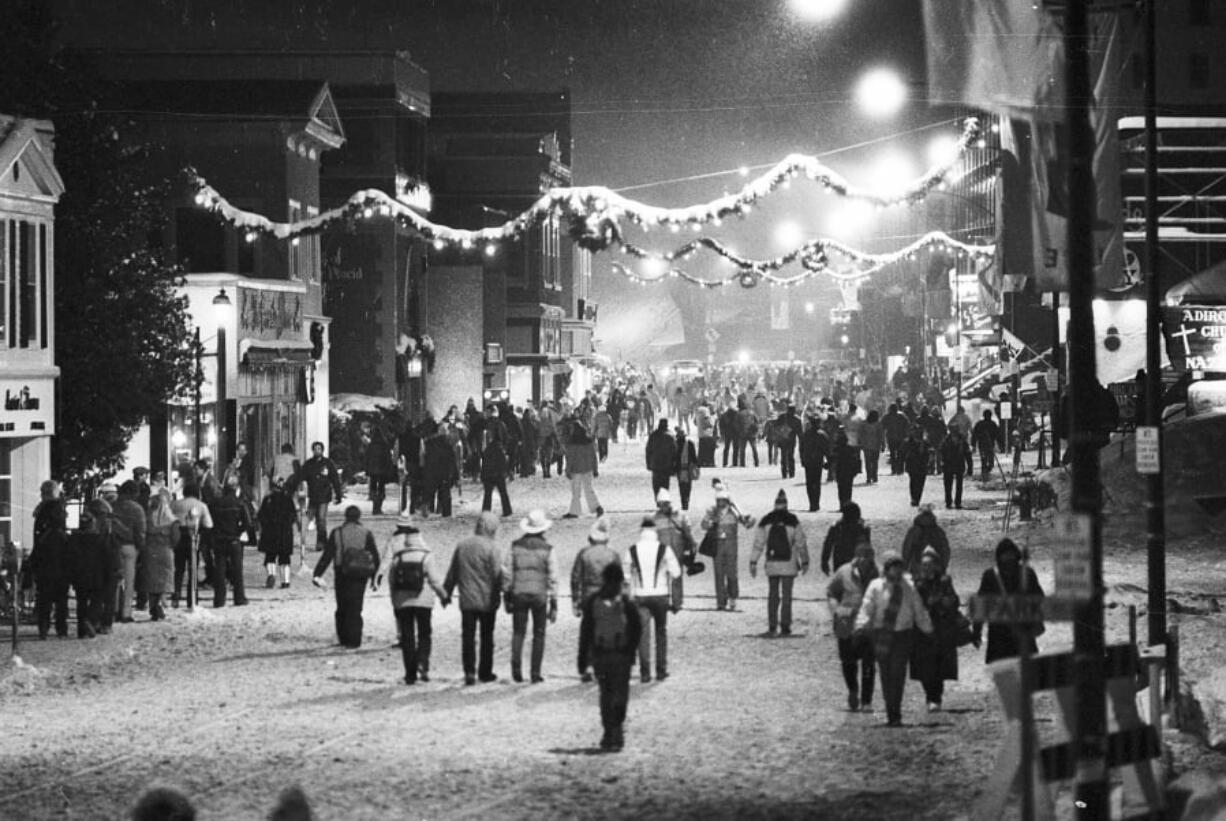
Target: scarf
884, 637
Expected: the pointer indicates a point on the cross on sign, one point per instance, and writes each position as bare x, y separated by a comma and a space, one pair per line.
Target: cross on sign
1183, 333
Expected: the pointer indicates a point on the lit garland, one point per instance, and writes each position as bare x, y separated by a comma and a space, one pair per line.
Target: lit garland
594, 213
813, 256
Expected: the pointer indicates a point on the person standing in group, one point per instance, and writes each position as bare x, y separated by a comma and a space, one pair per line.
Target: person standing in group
550, 446
781, 538
380, 469
844, 594
195, 518
127, 524
839, 548
894, 427
580, 469
157, 557
674, 532
230, 523
686, 467
1009, 576
955, 463
494, 470
846, 466
661, 454
440, 473
477, 570
602, 429
722, 525
985, 436
352, 550
585, 582
923, 533
814, 453
323, 481
94, 567
613, 628
653, 567
49, 565
934, 658
788, 433
413, 583
278, 516
871, 437
746, 432
532, 572
727, 432
915, 457
890, 613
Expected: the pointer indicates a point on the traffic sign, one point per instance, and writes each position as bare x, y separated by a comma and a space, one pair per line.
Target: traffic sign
712, 335
1149, 452
1074, 556
1015, 609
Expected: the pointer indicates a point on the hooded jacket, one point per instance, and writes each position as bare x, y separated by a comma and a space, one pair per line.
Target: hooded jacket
924, 532
476, 568
799, 562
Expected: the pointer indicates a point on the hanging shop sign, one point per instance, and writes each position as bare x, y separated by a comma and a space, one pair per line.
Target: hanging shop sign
269, 314
1195, 337
28, 407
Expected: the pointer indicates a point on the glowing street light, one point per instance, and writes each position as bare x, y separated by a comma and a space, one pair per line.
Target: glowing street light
815, 11
809, 308
881, 93
891, 174
789, 234
743, 357
943, 149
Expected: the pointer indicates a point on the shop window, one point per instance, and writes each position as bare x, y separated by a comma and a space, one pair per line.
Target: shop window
23, 283
296, 250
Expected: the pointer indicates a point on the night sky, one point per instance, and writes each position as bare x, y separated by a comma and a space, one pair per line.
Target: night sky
663, 90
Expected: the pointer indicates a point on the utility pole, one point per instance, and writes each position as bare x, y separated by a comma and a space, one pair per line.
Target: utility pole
1092, 788
1155, 498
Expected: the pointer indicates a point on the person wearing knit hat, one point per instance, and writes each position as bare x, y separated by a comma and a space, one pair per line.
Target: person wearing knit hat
352, 548
673, 530
586, 580
890, 613
721, 526
935, 659
781, 538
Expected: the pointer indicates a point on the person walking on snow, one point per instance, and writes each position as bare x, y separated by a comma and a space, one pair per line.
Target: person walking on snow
532, 572
782, 539
585, 582
477, 569
414, 584
923, 533
844, 594
985, 436
613, 628
915, 457
652, 570
277, 518
814, 453
351, 547
661, 456
890, 613
581, 468
955, 463
686, 467
934, 659
842, 538
723, 522
323, 481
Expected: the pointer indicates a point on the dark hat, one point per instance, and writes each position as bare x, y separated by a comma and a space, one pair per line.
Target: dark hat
781, 499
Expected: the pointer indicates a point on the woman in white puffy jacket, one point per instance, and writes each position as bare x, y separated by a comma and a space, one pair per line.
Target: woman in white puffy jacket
890, 612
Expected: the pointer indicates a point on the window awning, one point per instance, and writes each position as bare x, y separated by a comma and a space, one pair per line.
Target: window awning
280, 353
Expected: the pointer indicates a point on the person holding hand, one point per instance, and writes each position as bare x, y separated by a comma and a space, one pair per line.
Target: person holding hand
414, 584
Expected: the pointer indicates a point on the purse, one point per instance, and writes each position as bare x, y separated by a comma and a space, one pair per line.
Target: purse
708, 545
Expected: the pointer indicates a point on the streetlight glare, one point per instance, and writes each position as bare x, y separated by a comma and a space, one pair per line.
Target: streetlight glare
789, 234
942, 150
817, 10
891, 173
743, 357
654, 267
881, 92
808, 307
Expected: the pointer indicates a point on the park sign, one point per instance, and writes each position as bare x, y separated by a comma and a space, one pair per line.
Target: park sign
1195, 337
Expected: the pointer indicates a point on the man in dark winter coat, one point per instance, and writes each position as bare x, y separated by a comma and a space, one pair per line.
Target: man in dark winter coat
814, 452
613, 651
985, 436
94, 565
230, 522
727, 431
955, 463
895, 425
440, 473
48, 564
494, 469
379, 468
352, 547
842, 538
661, 457
787, 433
323, 481
916, 454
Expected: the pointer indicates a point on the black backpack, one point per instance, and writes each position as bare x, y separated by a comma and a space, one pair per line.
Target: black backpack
408, 577
609, 623
778, 545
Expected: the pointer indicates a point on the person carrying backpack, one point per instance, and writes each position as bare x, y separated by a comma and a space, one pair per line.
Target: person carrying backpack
352, 547
586, 580
413, 583
780, 536
613, 628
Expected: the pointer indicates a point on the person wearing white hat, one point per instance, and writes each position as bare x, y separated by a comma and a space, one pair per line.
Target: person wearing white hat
721, 525
673, 530
586, 581
532, 570
414, 584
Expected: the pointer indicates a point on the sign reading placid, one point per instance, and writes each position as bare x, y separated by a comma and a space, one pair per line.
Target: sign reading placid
28, 407
1195, 337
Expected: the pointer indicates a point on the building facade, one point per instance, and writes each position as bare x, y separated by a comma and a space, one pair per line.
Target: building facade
30, 187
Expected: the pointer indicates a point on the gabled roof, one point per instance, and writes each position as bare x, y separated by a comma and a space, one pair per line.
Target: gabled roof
307, 104
28, 142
